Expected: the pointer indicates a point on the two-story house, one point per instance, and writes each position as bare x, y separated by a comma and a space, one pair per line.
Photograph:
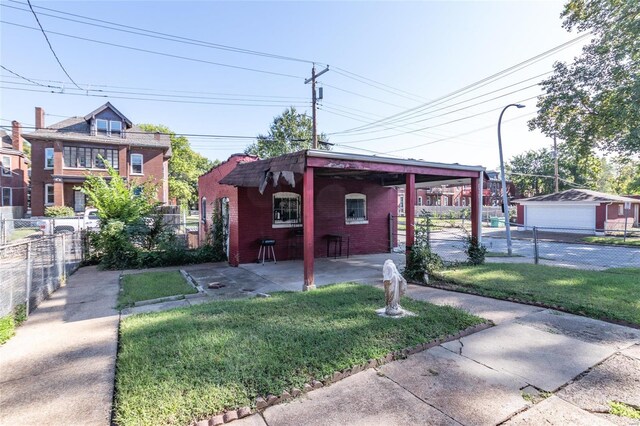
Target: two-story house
14, 173
63, 155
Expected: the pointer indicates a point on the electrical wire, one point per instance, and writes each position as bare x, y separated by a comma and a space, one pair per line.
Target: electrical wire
25, 78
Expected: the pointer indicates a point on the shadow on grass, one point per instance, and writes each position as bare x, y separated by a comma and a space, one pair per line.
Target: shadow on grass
185, 364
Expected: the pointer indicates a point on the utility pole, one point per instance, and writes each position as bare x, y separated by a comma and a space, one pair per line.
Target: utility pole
555, 156
314, 100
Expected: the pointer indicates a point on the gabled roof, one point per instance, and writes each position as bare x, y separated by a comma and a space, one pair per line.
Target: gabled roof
112, 108
577, 196
6, 146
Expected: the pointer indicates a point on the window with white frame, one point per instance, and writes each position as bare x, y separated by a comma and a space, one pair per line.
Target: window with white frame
6, 165
48, 158
136, 164
355, 206
115, 127
286, 208
102, 126
620, 210
445, 201
48, 195
419, 201
6, 196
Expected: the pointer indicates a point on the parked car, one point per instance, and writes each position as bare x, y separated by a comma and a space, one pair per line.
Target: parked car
56, 225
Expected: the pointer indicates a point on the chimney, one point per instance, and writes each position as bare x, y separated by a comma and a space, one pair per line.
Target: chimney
39, 118
156, 136
16, 137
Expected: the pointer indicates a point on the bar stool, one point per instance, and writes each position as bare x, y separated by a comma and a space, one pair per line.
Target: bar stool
266, 249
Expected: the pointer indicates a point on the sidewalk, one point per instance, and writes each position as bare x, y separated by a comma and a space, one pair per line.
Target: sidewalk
59, 367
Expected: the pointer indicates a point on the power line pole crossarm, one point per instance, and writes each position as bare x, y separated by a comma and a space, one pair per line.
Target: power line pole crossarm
314, 100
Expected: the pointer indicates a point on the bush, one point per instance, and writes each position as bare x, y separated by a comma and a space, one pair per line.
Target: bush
421, 261
9, 322
475, 251
59, 211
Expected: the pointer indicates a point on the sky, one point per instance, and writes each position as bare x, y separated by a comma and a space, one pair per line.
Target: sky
404, 60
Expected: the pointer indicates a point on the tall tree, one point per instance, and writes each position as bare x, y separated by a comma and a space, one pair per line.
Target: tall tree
592, 103
185, 166
289, 132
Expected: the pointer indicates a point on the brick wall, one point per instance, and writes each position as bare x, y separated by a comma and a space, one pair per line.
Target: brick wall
152, 168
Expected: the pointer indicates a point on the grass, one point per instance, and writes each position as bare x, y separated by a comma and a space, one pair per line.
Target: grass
179, 366
500, 254
22, 233
624, 410
611, 294
631, 241
8, 323
151, 285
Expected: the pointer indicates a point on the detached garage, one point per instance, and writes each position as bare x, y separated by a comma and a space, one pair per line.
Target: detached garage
578, 211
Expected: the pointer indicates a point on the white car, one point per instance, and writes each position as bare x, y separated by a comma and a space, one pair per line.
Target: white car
56, 225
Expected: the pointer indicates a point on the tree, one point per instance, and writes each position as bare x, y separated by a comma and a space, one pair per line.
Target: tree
289, 132
185, 166
592, 103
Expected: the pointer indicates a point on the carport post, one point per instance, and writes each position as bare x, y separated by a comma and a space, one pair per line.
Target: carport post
476, 210
410, 209
307, 226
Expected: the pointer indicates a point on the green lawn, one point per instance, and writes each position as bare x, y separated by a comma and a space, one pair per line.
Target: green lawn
17, 234
151, 285
178, 366
631, 241
501, 254
611, 294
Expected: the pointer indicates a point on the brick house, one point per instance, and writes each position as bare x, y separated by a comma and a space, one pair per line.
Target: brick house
310, 201
14, 171
64, 153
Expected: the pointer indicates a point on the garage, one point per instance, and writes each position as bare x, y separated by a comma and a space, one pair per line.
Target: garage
573, 216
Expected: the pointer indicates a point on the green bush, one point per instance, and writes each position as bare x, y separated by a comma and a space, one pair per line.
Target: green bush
59, 211
475, 251
421, 261
9, 322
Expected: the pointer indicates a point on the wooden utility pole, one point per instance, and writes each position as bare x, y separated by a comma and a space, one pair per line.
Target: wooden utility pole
555, 167
314, 99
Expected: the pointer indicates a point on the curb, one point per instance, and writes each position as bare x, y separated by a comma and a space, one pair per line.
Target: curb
263, 403
192, 282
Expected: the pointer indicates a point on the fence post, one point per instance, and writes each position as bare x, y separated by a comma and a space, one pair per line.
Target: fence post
3, 231
428, 225
536, 256
29, 276
390, 233
64, 256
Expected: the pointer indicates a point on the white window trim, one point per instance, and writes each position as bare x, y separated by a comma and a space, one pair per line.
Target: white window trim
111, 128
10, 196
48, 188
6, 165
141, 164
46, 151
355, 196
108, 128
419, 200
290, 223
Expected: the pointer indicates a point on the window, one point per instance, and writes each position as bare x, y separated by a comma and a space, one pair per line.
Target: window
115, 126
355, 208
137, 191
203, 210
464, 202
6, 196
445, 201
136, 164
102, 126
428, 201
48, 158
401, 204
419, 201
48, 195
286, 208
87, 158
6, 165
620, 210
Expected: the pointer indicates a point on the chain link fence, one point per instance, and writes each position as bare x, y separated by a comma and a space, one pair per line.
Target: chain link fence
14, 230
30, 271
564, 247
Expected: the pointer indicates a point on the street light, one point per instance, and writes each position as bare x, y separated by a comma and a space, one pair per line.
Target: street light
505, 201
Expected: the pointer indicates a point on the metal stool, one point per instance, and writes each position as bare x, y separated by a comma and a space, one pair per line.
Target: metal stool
267, 244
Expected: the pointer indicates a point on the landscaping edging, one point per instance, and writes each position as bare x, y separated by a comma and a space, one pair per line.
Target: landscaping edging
287, 395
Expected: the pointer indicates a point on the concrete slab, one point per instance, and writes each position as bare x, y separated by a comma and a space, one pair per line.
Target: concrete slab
253, 420
582, 328
498, 311
542, 359
633, 351
554, 411
364, 399
471, 393
156, 307
616, 379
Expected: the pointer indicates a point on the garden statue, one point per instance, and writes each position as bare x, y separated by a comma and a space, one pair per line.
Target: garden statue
394, 287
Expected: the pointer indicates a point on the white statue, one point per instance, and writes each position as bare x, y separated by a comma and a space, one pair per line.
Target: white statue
394, 287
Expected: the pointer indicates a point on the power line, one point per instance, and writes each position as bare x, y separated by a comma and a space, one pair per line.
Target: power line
154, 52
377, 85
25, 78
35, 15
474, 86
362, 96
160, 35
151, 99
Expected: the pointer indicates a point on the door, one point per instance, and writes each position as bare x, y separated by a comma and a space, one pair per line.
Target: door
78, 201
224, 212
572, 218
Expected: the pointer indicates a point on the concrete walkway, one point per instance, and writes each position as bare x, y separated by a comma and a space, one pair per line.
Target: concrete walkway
59, 367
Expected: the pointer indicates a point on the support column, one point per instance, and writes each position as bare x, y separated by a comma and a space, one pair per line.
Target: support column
476, 209
58, 192
410, 209
308, 226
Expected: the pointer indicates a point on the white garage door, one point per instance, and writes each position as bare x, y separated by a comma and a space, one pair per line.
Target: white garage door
554, 216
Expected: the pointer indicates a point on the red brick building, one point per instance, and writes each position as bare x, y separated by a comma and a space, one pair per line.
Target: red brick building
310, 200
64, 153
14, 170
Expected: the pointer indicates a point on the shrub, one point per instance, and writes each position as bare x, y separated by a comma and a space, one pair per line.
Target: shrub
59, 211
421, 261
9, 322
475, 251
